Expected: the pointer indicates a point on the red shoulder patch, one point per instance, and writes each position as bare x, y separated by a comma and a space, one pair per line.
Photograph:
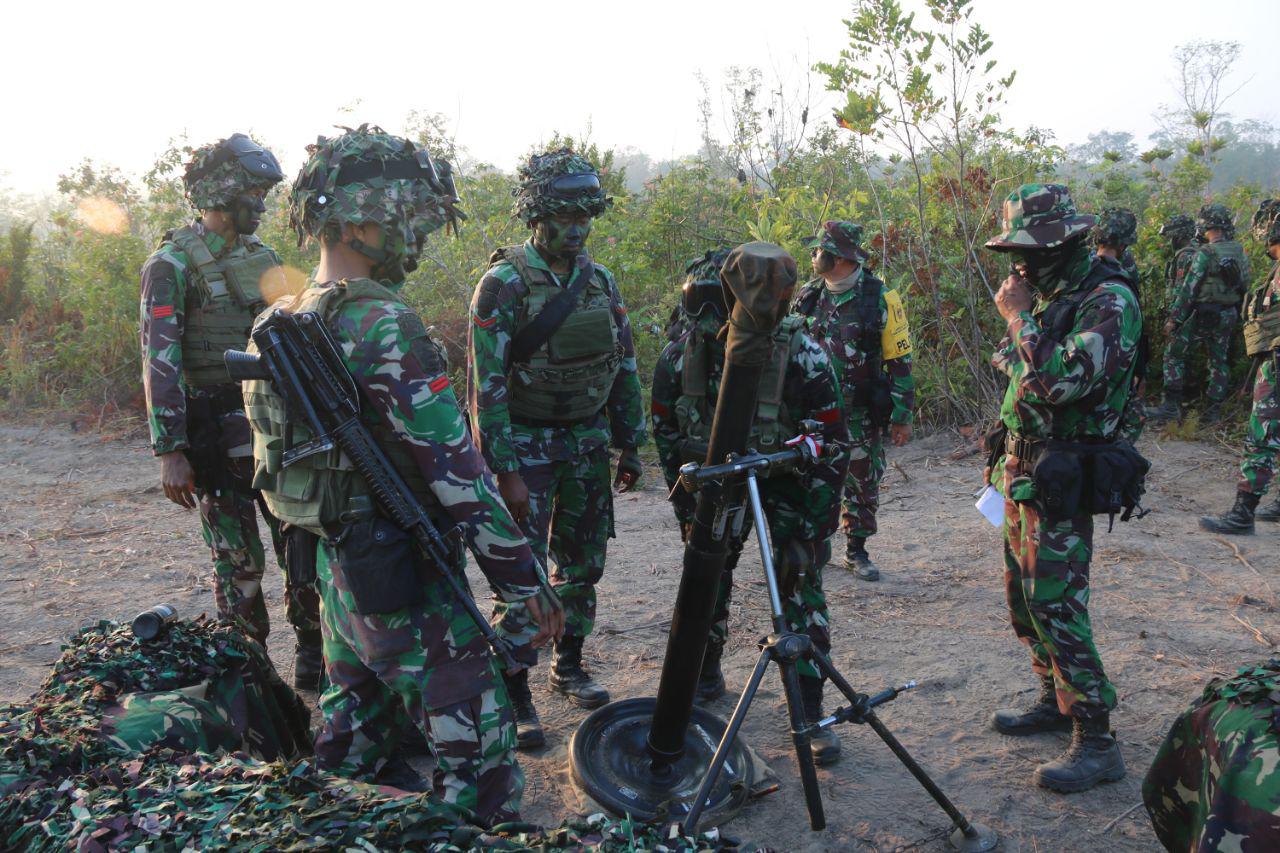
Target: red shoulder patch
830, 416
659, 409
438, 384
161, 311
484, 324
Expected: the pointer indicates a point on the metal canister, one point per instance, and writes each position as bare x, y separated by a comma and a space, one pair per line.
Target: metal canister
148, 624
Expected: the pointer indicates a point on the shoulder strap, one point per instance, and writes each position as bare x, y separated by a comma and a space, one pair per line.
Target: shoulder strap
808, 299
872, 321
552, 316
193, 246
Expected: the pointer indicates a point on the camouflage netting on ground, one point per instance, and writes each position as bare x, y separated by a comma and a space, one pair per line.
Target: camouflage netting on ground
1214, 783
159, 746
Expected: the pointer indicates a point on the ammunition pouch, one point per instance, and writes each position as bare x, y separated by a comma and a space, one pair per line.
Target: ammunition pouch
214, 472
380, 566
1083, 478
300, 546
874, 396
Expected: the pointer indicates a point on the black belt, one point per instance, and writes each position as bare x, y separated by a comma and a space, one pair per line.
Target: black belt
546, 423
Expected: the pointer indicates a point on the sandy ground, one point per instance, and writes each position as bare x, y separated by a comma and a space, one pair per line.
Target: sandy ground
85, 533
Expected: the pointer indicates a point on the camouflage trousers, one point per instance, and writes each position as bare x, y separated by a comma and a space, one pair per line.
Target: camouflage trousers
804, 604
569, 526
428, 662
1214, 327
229, 523
1262, 439
862, 483
1046, 577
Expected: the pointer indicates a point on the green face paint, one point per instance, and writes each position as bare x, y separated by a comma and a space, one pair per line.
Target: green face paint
563, 236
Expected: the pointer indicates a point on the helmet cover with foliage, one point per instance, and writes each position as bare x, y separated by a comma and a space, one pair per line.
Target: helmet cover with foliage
1178, 227
842, 239
559, 183
1039, 216
1116, 226
1266, 221
219, 172
702, 287
1214, 216
366, 175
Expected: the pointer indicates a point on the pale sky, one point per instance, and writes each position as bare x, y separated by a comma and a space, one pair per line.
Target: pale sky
116, 81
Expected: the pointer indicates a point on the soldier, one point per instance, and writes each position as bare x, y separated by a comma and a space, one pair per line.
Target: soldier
1205, 308
1114, 233
1070, 353
551, 382
799, 383
1262, 342
370, 199
200, 292
864, 328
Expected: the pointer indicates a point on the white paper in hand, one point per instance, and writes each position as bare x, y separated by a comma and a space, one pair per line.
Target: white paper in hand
991, 505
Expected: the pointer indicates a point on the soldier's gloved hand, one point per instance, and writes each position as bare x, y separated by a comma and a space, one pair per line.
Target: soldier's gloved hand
629, 471
793, 561
178, 479
547, 613
515, 494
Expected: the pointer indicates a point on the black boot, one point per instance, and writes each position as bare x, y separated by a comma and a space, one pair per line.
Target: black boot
570, 679
308, 661
528, 727
711, 679
857, 560
1170, 409
1212, 413
1092, 758
823, 745
1041, 716
398, 774
1270, 512
1239, 519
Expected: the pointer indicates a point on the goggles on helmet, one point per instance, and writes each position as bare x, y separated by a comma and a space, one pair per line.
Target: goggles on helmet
572, 186
698, 296
254, 159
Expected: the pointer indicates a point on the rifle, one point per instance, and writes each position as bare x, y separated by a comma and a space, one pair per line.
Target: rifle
301, 360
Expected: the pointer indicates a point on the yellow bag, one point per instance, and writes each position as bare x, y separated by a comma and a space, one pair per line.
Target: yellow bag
895, 339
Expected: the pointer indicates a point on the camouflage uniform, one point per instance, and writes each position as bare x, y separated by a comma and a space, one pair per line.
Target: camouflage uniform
426, 658
1212, 785
189, 404
836, 319
563, 462
803, 509
1074, 389
1117, 230
1197, 319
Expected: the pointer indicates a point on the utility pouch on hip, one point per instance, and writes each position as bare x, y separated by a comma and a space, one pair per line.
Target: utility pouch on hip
1117, 480
380, 566
1059, 479
300, 547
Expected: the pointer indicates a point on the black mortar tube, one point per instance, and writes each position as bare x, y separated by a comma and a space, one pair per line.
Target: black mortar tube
747, 348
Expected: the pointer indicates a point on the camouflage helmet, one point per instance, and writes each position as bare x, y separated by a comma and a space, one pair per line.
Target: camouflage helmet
557, 183
706, 268
842, 239
222, 170
1116, 226
367, 175
702, 286
1266, 221
1214, 216
1178, 227
1039, 216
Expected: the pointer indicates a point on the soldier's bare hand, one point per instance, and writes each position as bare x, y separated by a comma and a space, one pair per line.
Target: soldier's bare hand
515, 494
547, 613
899, 434
178, 479
629, 470
1169, 326
1013, 298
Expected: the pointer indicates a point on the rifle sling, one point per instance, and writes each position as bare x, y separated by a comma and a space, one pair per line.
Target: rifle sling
552, 316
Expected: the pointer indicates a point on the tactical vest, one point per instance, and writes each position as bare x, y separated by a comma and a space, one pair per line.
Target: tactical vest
227, 296
323, 489
1262, 317
772, 424
857, 389
567, 379
1224, 280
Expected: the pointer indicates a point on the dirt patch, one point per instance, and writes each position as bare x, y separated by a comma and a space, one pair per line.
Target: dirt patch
86, 534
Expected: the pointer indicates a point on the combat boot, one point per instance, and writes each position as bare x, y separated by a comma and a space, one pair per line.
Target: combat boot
857, 560
570, 679
308, 661
528, 727
398, 774
1041, 716
711, 680
1169, 410
823, 745
1092, 758
1212, 413
1270, 512
1238, 519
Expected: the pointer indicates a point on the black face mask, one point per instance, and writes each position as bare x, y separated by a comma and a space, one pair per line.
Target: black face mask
1042, 267
246, 213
